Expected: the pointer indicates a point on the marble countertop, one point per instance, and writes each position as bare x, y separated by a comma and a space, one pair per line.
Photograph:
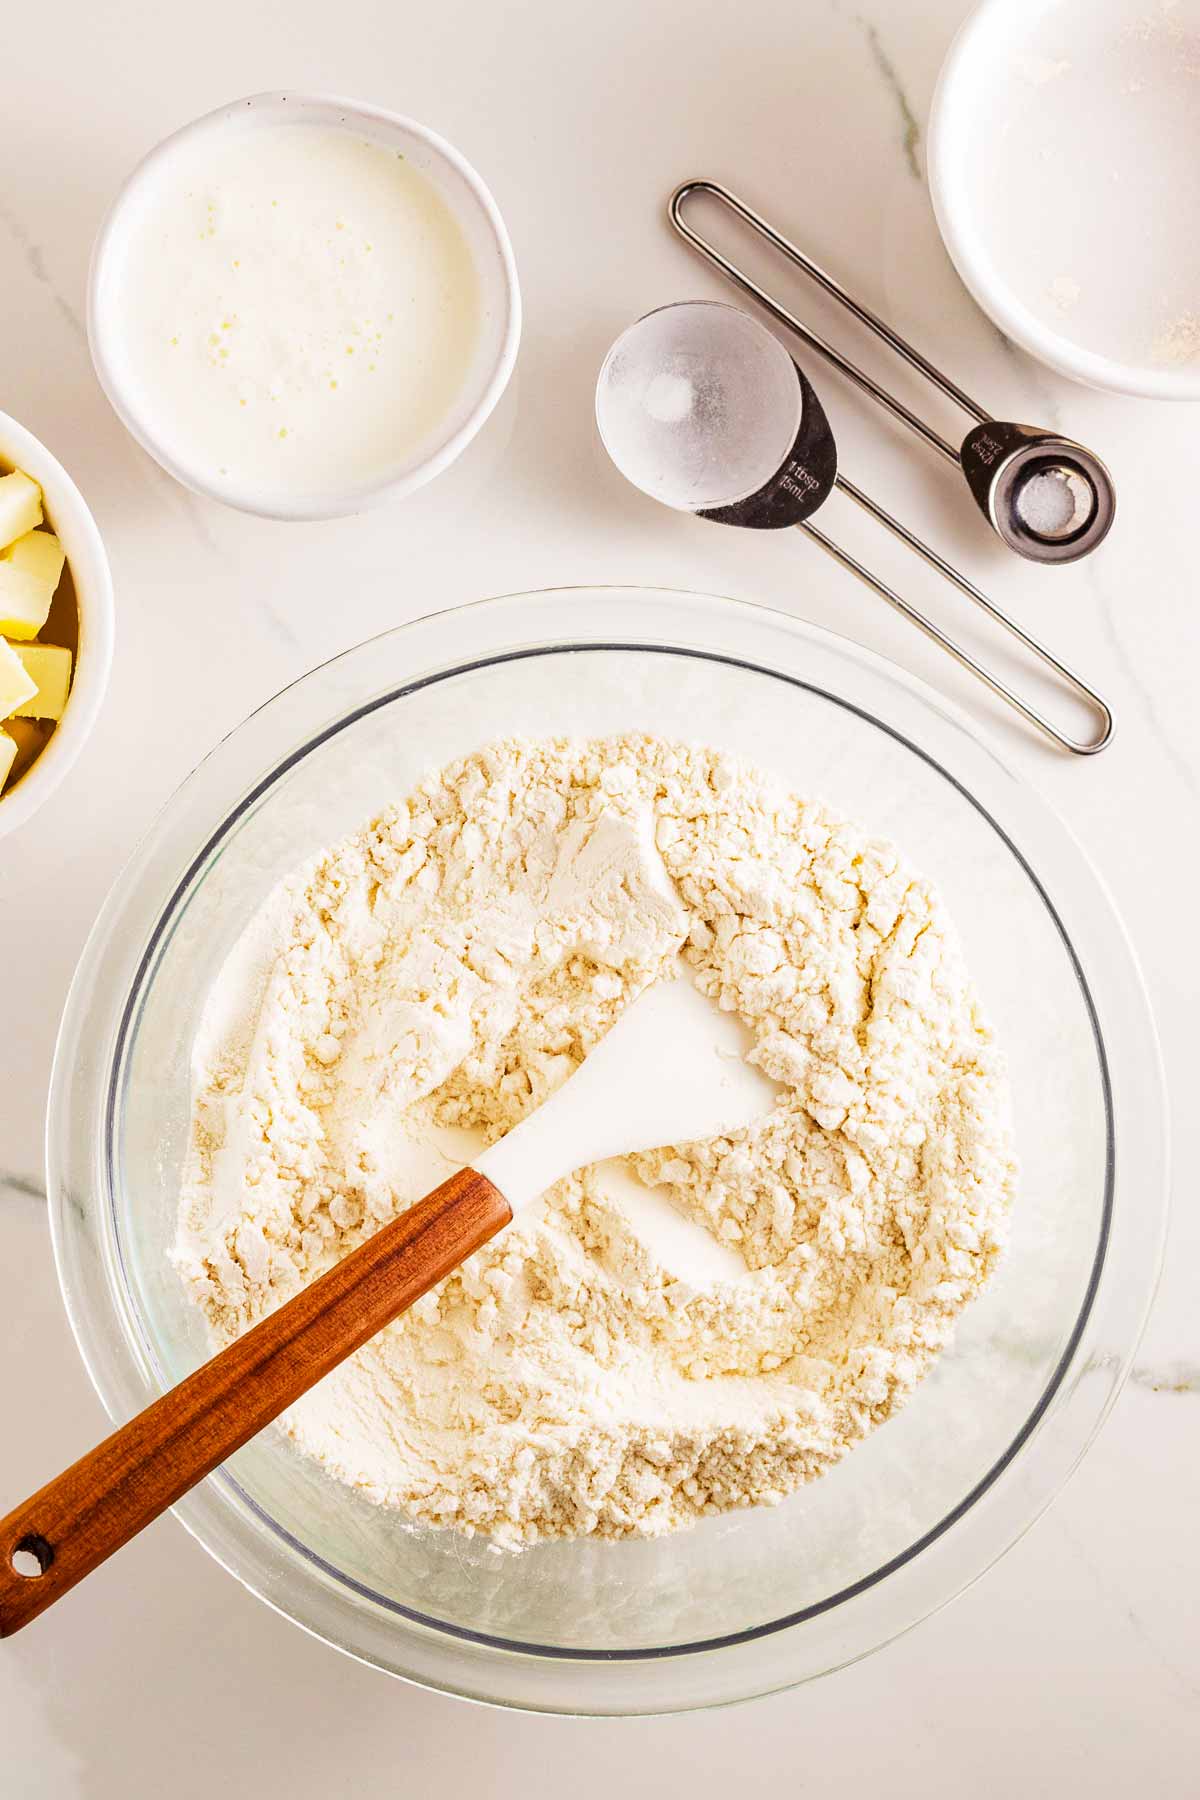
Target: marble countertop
1075, 1663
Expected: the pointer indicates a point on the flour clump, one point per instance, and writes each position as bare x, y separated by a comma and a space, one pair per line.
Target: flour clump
412, 992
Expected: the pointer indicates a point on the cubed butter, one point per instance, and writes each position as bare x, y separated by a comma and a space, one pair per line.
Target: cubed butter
18, 685
8, 755
30, 571
48, 666
20, 506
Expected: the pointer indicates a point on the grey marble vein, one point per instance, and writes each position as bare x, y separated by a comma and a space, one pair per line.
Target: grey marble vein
1034, 378
1180, 1376
1141, 693
911, 138
35, 262
192, 511
1107, 1579
23, 1186
182, 499
190, 507
278, 622
1169, 1378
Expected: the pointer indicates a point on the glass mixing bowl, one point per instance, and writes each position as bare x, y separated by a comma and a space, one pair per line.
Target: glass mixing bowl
755, 1600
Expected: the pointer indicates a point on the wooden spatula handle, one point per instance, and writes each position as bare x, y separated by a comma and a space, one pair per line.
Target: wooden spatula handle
98, 1504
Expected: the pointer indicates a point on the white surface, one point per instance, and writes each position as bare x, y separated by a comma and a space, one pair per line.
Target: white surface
1064, 150
1075, 1664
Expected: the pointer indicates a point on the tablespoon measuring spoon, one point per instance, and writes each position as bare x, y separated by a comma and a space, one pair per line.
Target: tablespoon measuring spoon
703, 409
673, 1068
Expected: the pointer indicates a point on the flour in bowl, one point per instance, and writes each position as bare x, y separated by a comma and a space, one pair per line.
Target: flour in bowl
414, 991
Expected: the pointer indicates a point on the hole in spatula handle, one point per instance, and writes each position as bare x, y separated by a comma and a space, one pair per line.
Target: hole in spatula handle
32, 1556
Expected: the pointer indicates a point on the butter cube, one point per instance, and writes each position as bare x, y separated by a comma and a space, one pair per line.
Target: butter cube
48, 666
18, 685
20, 506
8, 753
29, 573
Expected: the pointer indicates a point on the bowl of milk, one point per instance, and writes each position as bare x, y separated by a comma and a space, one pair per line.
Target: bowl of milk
302, 306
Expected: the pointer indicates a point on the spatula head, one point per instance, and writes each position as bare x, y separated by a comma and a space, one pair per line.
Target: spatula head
672, 1068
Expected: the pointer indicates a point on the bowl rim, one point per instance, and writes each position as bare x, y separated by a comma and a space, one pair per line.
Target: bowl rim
68, 513
999, 1509
333, 503
952, 206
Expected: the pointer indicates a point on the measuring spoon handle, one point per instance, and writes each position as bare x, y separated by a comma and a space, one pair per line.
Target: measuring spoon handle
77, 1520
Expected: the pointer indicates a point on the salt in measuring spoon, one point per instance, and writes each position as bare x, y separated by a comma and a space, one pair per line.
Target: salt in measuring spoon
700, 407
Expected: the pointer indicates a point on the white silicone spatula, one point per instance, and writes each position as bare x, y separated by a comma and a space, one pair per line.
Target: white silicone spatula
671, 1069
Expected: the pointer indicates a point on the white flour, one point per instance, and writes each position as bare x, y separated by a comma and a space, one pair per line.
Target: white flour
415, 990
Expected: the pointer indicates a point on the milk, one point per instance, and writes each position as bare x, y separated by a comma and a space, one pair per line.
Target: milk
298, 311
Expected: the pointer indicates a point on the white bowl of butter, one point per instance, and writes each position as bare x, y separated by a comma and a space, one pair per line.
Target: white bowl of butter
300, 305
56, 623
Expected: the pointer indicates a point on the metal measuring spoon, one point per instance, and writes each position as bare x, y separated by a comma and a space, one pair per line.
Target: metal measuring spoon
1047, 497
700, 407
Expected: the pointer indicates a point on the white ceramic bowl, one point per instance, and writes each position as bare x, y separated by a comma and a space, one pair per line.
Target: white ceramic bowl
478, 218
87, 571
1063, 144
